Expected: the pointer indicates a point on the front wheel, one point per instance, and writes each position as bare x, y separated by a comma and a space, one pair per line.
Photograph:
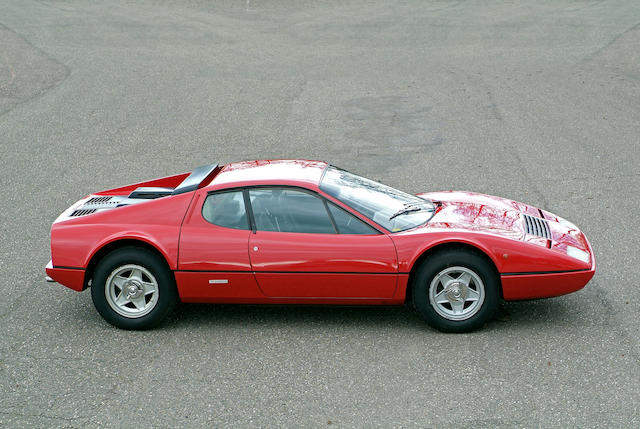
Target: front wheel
133, 289
456, 291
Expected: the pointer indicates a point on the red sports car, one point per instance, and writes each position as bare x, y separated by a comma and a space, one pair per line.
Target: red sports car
305, 232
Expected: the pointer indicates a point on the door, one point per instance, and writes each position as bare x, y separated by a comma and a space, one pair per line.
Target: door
307, 247
213, 262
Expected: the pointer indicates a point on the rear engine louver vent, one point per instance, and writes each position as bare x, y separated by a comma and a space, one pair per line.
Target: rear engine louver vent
98, 200
537, 226
82, 212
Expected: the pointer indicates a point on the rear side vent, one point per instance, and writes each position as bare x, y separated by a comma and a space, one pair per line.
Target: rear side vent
77, 213
537, 226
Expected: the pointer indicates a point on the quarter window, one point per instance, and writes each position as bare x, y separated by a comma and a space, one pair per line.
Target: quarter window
289, 210
226, 209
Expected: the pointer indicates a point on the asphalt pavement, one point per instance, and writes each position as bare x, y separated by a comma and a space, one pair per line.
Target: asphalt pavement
538, 101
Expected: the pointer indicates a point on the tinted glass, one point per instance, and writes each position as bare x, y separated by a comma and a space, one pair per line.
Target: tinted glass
226, 209
289, 210
348, 223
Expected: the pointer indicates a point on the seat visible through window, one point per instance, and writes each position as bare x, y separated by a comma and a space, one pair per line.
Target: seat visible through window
289, 210
226, 209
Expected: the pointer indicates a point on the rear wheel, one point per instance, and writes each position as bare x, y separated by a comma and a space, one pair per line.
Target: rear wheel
456, 290
133, 289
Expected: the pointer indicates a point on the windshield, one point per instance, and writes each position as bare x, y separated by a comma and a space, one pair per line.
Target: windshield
393, 209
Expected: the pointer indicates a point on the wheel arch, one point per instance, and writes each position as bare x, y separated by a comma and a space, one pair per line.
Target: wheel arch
120, 243
446, 246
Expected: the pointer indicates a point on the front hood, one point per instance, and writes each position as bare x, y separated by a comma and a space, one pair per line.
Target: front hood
478, 212
504, 217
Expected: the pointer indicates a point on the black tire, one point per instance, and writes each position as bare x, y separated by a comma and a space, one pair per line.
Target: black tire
154, 275
454, 264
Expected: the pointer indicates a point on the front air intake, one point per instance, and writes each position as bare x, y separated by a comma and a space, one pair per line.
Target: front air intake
537, 226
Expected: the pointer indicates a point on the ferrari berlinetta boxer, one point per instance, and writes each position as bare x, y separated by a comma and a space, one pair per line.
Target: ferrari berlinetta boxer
306, 232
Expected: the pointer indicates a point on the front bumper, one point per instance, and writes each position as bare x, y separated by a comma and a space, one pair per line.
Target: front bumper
71, 277
544, 285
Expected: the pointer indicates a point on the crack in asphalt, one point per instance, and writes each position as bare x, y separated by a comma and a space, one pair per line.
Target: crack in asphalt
603, 48
495, 109
532, 184
45, 89
12, 72
583, 178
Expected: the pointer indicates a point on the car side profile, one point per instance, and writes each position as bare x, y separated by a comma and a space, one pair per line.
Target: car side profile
306, 232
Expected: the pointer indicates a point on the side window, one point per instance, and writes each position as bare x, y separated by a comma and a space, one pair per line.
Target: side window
226, 209
289, 210
348, 223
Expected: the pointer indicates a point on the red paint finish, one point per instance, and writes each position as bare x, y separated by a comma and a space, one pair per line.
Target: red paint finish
211, 253
401, 290
494, 226
74, 241
497, 204
287, 251
297, 301
521, 256
543, 285
216, 286
71, 278
327, 285
164, 182
216, 264
208, 247
301, 265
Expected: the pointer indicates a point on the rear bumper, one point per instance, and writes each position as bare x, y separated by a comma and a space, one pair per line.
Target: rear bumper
71, 277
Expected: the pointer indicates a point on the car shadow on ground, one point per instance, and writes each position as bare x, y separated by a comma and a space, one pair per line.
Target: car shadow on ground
534, 314
293, 315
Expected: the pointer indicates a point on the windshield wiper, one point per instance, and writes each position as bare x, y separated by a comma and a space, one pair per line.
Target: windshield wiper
405, 211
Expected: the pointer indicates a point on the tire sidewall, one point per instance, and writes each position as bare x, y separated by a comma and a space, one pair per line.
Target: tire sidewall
437, 262
167, 295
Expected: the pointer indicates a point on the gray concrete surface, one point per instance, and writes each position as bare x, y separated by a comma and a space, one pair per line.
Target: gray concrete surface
536, 101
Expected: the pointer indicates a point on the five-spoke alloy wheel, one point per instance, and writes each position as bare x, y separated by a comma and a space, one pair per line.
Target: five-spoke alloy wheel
456, 293
133, 289
456, 290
